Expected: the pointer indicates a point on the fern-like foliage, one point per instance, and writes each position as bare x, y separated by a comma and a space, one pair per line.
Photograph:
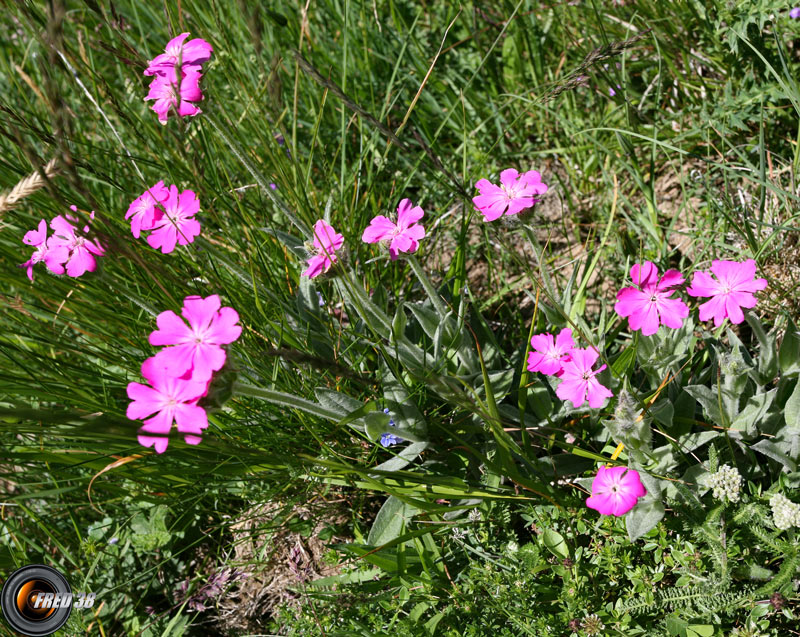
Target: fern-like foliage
713, 598
782, 582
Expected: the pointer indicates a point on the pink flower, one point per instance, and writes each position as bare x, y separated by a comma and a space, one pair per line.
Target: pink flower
37, 239
69, 251
171, 399
578, 379
171, 94
191, 54
730, 292
615, 490
144, 211
648, 305
177, 72
402, 236
515, 194
176, 225
550, 352
326, 242
197, 347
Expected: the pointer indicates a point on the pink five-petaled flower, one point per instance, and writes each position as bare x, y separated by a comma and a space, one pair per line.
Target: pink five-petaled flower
402, 236
171, 399
648, 305
36, 239
177, 72
326, 242
176, 225
578, 379
69, 251
551, 353
144, 211
514, 194
615, 490
188, 55
730, 292
171, 93
196, 347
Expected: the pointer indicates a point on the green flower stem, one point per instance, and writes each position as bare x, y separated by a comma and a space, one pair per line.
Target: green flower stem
428, 285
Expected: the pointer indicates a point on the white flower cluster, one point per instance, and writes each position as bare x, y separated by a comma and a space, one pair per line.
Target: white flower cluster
592, 625
725, 483
785, 513
458, 533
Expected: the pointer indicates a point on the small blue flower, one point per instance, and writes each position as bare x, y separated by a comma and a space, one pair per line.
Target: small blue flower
388, 439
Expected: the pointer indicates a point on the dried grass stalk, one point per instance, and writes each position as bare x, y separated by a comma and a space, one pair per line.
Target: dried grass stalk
27, 186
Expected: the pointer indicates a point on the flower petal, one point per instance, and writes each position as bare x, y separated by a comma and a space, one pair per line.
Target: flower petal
379, 229
703, 285
172, 330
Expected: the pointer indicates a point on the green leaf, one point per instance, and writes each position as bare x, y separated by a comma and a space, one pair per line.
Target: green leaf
418, 610
352, 577
773, 450
767, 360
792, 409
754, 571
377, 424
623, 361
643, 517
753, 413
390, 521
734, 368
789, 436
427, 318
555, 543
307, 300
353, 292
430, 625
500, 382
401, 405
290, 400
649, 511
700, 630
676, 626
403, 458
399, 323
540, 401
663, 412
789, 352
691, 441
710, 402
